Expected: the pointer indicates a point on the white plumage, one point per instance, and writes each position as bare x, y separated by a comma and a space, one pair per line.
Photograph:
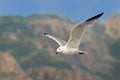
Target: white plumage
76, 33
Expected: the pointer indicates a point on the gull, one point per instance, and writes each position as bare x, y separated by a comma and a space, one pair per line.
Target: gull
76, 33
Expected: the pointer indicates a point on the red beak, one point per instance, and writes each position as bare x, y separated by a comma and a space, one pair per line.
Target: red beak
56, 52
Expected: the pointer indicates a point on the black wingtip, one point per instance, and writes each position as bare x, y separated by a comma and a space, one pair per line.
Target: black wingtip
95, 17
45, 33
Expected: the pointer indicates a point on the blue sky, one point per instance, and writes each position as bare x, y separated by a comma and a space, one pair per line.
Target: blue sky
76, 10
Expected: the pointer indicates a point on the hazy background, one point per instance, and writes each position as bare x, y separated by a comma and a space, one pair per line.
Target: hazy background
25, 54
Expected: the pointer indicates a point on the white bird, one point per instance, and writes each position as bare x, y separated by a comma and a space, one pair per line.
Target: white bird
76, 33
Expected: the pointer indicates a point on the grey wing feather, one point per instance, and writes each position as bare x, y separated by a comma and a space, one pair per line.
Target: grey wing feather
59, 41
78, 31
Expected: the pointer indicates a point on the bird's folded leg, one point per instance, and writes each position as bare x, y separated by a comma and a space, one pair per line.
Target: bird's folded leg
82, 52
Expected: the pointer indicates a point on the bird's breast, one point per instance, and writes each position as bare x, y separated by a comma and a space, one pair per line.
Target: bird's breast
69, 51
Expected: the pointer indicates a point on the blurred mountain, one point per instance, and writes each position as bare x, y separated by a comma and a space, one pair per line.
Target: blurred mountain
113, 26
23, 36
10, 69
112, 30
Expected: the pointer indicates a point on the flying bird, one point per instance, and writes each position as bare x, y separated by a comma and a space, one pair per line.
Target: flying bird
76, 33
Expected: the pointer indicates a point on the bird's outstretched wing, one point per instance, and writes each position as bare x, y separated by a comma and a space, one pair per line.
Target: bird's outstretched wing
78, 30
59, 41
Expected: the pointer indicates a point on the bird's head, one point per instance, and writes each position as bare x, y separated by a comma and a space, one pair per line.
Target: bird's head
59, 50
